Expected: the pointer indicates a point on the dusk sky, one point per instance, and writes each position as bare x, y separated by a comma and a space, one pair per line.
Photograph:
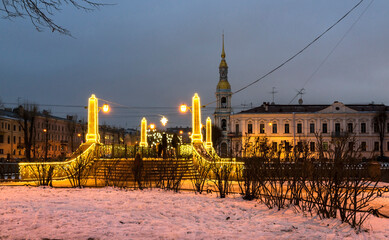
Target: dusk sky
154, 55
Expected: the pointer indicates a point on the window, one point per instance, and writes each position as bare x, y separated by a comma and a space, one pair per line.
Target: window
1, 151
2, 125
9, 126
8, 139
274, 128
299, 128
363, 128
262, 128
324, 130
337, 127
223, 102
376, 146
14, 127
20, 128
1, 138
14, 139
375, 127
286, 127
325, 146
363, 146
249, 128
387, 146
224, 124
237, 128
312, 128
20, 140
312, 146
387, 127
274, 146
350, 127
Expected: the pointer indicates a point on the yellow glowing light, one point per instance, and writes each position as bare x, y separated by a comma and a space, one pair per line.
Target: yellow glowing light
183, 108
79, 135
93, 120
164, 120
152, 126
45, 130
106, 108
189, 133
270, 124
181, 132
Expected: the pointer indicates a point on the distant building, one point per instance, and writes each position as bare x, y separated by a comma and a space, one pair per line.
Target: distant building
293, 125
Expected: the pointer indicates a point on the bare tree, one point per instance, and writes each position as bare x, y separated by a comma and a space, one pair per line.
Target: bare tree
40, 12
380, 121
27, 114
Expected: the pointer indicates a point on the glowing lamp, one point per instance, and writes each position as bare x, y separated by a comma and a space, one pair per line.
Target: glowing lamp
164, 120
106, 108
79, 135
270, 124
152, 126
181, 132
183, 108
45, 130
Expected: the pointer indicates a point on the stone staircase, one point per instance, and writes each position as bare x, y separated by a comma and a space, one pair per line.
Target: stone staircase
153, 169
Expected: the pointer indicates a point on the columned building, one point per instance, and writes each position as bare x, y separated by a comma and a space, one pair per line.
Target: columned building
223, 105
295, 125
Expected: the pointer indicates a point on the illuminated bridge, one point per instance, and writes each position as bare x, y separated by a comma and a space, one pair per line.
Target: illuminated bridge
91, 155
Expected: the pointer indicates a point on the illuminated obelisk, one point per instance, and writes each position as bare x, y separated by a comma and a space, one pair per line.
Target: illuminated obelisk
197, 137
143, 133
93, 121
208, 141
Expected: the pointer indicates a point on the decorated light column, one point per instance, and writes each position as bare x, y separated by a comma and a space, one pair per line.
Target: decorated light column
208, 142
143, 133
197, 137
93, 121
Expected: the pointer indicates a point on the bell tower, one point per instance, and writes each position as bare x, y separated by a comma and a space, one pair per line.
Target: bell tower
223, 103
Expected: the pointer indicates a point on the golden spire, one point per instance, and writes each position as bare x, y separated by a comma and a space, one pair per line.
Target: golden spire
223, 53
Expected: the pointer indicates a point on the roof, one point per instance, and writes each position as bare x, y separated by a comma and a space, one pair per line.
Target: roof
279, 108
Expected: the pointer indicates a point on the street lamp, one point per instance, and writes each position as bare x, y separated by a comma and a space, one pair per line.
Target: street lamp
164, 120
106, 108
152, 126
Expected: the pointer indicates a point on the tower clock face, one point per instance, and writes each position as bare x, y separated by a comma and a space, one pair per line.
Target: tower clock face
223, 73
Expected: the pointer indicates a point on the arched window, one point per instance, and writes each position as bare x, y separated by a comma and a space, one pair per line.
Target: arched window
224, 125
224, 102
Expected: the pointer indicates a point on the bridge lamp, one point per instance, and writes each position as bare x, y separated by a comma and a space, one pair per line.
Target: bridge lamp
183, 108
106, 108
152, 126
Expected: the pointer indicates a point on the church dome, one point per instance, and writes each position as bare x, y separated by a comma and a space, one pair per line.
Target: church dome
223, 85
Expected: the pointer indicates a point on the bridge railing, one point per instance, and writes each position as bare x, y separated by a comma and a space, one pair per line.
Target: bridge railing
55, 170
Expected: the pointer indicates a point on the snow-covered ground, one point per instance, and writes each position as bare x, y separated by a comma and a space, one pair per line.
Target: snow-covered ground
107, 213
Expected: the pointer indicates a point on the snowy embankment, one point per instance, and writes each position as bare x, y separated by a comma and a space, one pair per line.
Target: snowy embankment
107, 213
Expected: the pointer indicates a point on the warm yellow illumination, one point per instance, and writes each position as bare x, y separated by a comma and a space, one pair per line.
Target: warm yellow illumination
143, 133
183, 108
164, 120
79, 135
45, 130
93, 121
181, 132
270, 124
106, 108
152, 126
208, 142
197, 137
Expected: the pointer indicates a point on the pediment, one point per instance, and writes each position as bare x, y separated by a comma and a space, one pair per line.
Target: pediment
338, 107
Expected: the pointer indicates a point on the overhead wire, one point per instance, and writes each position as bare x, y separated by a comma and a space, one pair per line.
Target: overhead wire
333, 49
296, 54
